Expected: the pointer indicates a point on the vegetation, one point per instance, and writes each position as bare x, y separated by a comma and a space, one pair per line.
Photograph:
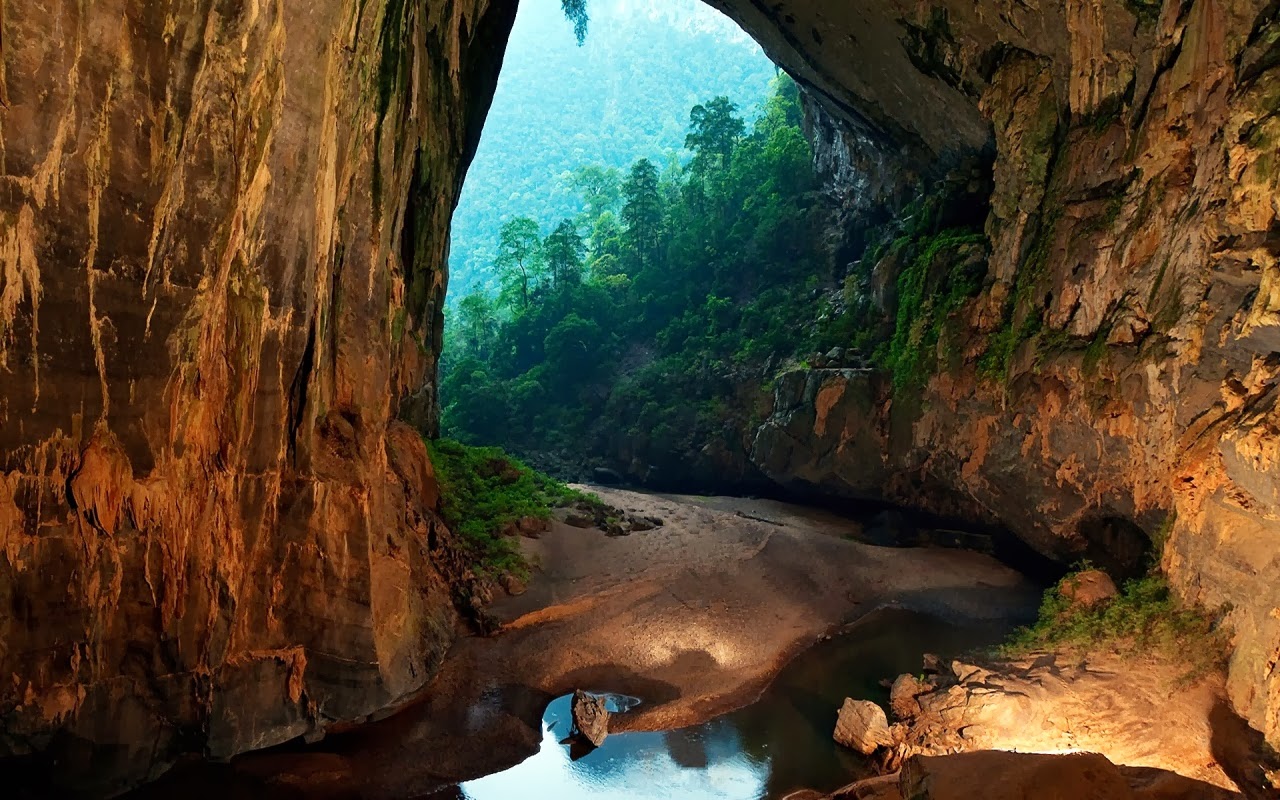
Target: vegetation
622, 95
640, 312
1145, 617
486, 493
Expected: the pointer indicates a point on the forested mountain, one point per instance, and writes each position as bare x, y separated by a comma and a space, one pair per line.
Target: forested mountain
624, 94
634, 317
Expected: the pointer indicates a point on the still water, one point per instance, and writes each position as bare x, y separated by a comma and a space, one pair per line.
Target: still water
776, 745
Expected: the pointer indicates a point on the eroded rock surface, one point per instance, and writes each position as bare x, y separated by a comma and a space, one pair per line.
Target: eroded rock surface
1000, 775
590, 717
222, 238
1111, 388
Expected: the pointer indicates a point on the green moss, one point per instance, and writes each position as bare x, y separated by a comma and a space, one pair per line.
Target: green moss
485, 492
1022, 314
1097, 349
930, 289
1161, 536
1144, 618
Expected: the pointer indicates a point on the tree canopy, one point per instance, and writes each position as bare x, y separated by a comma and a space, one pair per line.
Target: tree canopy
568, 121
642, 306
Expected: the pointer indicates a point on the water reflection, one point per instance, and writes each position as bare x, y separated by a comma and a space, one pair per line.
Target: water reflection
705, 761
762, 752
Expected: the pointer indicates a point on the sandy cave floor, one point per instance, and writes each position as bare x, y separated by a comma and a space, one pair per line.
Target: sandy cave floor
694, 617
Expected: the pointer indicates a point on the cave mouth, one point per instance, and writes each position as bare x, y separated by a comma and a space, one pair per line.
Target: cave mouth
648, 266
631, 197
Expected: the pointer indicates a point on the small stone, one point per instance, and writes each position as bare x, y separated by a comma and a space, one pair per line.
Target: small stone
513, 585
1090, 588
590, 717
862, 726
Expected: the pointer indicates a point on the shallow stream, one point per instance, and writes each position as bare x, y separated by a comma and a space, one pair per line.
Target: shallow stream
778, 744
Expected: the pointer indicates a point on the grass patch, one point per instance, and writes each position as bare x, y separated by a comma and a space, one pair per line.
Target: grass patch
485, 491
1145, 617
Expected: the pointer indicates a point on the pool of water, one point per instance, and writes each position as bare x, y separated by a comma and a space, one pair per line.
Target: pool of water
778, 744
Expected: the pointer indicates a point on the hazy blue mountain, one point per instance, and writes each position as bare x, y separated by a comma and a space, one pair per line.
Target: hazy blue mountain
623, 95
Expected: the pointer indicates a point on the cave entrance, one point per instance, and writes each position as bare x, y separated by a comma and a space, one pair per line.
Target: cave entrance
634, 249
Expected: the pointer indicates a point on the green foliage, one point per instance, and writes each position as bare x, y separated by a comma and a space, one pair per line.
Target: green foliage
1144, 618
930, 289
714, 131
576, 12
1023, 318
486, 492
645, 325
520, 263
624, 94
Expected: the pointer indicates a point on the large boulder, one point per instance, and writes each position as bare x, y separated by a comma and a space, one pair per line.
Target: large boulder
1004, 775
1089, 588
862, 726
590, 716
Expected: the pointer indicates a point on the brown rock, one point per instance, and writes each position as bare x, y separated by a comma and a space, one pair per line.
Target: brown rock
590, 717
862, 726
1089, 588
903, 694
1000, 775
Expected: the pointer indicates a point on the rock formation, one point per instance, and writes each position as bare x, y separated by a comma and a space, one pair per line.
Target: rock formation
862, 726
1111, 388
998, 775
222, 237
222, 261
590, 717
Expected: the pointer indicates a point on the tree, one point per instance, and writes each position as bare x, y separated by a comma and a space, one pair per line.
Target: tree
563, 251
714, 130
600, 188
477, 324
642, 213
575, 350
606, 247
519, 257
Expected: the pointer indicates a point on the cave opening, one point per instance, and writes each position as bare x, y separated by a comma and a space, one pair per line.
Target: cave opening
1008, 267
606, 247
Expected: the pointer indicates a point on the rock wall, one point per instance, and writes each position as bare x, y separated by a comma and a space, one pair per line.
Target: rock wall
1112, 386
222, 237
223, 228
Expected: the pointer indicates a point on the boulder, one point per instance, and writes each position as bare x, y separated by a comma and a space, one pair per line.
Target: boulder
577, 519
903, 694
1000, 775
590, 716
1090, 588
862, 726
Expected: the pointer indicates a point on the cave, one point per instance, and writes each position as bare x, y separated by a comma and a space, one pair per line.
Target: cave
223, 244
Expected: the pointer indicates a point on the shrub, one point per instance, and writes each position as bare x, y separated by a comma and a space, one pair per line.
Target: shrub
485, 491
1144, 617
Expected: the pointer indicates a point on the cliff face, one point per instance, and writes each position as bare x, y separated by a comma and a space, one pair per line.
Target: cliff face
1112, 385
222, 238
